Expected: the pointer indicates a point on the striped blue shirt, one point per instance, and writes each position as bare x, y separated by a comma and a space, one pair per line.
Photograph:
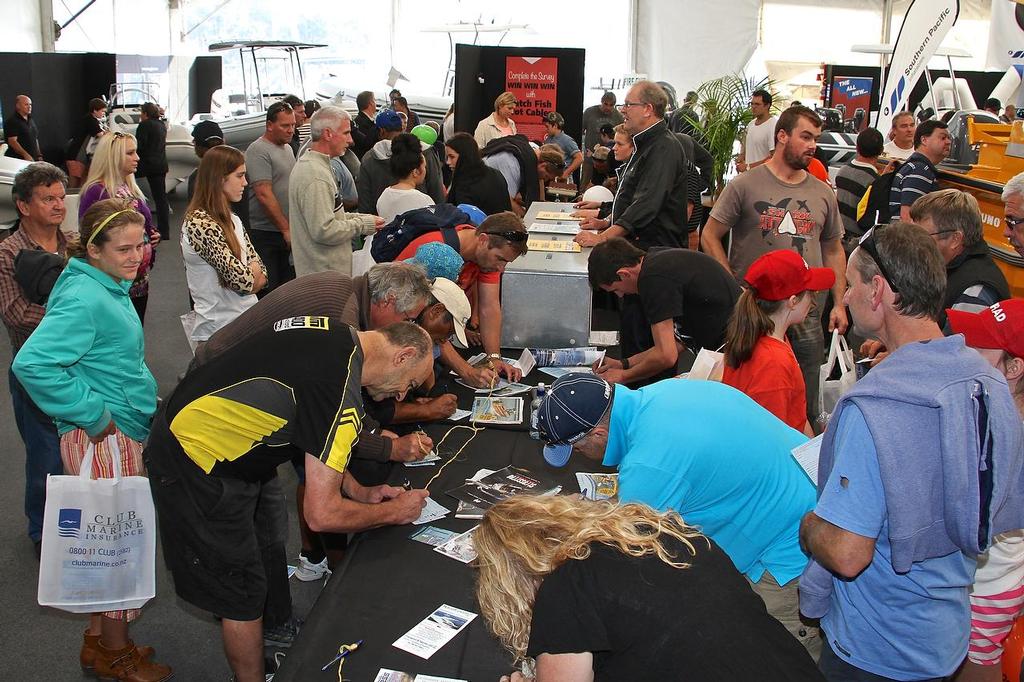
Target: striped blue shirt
914, 179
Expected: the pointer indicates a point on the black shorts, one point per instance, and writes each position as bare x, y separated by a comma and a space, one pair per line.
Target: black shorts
213, 529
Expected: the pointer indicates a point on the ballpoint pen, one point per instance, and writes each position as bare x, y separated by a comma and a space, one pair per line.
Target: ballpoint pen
343, 651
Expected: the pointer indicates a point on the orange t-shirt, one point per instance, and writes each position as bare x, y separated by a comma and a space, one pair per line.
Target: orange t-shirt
470, 274
818, 170
773, 379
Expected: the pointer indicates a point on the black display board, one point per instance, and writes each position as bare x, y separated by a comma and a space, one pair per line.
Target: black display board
60, 85
480, 76
204, 78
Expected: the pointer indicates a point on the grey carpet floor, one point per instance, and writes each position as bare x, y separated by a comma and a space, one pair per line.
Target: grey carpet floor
44, 642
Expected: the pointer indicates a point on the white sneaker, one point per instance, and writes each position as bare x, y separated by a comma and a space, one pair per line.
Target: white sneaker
307, 571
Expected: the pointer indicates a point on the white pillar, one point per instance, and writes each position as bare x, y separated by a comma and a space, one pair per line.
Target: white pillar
46, 27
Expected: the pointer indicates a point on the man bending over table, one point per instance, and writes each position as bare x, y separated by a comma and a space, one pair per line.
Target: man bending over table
707, 451
214, 450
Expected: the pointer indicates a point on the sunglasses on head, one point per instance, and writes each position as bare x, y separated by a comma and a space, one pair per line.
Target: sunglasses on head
511, 235
867, 242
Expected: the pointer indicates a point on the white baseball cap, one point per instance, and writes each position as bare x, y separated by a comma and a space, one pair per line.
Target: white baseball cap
454, 300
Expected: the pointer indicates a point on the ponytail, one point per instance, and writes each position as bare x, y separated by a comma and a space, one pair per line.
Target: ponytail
749, 322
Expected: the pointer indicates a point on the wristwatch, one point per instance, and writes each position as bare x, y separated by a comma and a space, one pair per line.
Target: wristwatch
625, 363
494, 356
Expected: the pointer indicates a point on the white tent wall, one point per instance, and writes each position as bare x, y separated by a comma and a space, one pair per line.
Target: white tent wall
20, 29
118, 26
688, 42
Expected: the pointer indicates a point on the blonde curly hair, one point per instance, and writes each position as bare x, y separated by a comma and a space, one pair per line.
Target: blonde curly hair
523, 539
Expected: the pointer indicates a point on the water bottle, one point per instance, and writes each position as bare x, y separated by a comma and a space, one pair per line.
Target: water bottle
538, 398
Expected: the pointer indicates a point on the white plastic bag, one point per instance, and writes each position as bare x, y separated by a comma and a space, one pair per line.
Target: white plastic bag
709, 366
99, 540
361, 259
831, 390
189, 321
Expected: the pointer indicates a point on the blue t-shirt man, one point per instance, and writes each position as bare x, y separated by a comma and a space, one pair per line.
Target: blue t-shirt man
722, 461
909, 626
567, 144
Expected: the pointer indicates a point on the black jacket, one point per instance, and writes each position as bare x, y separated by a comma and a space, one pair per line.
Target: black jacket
486, 189
650, 203
364, 134
974, 266
698, 158
152, 138
519, 146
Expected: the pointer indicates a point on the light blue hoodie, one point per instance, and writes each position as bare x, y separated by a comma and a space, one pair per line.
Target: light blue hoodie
84, 364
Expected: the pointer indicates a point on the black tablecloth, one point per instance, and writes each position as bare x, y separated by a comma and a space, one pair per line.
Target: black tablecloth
389, 583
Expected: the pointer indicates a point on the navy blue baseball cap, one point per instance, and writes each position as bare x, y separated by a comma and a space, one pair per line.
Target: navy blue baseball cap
573, 406
388, 119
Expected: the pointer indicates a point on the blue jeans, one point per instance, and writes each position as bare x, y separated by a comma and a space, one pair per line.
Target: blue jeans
42, 453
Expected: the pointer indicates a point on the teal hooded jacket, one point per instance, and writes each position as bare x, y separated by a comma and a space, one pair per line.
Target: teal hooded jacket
85, 364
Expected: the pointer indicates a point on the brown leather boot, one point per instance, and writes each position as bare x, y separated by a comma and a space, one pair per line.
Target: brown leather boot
90, 647
128, 665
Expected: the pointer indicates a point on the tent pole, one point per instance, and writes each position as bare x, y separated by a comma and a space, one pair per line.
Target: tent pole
634, 27
886, 34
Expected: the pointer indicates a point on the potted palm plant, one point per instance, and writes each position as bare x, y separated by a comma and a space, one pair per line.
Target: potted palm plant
725, 103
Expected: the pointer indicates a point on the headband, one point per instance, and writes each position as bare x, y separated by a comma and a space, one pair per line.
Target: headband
99, 228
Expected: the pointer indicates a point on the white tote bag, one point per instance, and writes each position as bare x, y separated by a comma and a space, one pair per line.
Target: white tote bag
708, 366
99, 540
831, 390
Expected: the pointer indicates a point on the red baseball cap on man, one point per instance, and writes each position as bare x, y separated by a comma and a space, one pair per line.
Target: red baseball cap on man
777, 275
1000, 326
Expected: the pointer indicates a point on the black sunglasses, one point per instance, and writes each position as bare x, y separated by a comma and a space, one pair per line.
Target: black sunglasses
1013, 222
511, 236
867, 242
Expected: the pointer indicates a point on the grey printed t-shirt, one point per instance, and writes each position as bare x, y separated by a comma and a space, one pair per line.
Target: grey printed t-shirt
267, 161
766, 214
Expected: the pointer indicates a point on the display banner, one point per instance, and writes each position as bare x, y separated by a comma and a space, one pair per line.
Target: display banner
853, 97
1005, 35
925, 25
534, 82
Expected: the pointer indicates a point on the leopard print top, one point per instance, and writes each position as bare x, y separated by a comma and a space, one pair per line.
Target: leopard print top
206, 237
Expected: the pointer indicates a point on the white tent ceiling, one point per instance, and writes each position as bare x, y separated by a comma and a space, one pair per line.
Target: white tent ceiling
683, 42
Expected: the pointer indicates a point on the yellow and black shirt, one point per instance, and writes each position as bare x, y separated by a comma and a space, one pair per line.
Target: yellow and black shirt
295, 385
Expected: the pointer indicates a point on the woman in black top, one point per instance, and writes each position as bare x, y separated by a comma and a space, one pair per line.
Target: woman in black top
473, 182
81, 147
152, 138
581, 590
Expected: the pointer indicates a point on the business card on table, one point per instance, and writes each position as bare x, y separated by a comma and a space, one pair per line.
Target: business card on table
433, 536
434, 631
432, 511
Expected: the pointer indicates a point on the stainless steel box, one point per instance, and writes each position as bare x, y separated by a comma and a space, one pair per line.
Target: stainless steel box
545, 296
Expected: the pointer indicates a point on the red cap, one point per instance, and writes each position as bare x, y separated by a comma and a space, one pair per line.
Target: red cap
777, 275
999, 326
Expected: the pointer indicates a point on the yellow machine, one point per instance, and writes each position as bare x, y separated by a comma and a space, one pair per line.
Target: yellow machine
1000, 149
